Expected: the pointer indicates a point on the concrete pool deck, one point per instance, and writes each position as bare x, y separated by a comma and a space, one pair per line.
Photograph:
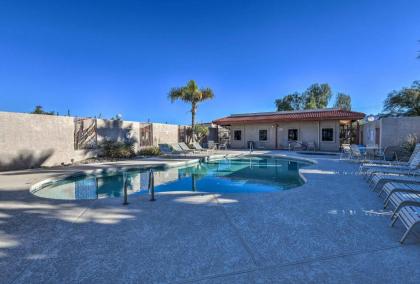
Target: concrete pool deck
331, 229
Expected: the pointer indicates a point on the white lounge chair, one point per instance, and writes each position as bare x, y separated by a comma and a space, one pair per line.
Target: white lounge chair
400, 199
378, 180
167, 149
198, 147
410, 217
184, 147
413, 162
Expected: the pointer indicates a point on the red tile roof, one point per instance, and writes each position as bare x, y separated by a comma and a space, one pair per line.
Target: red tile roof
282, 116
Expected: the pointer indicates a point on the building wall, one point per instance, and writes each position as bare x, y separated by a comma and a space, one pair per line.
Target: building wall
394, 130
369, 132
165, 133
118, 130
308, 131
30, 141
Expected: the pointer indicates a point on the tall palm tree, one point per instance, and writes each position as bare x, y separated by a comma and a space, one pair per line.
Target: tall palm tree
192, 94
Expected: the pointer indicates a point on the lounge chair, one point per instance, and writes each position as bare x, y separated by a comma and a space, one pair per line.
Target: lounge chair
399, 199
413, 162
184, 147
390, 171
392, 188
198, 147
177, 148
410, 217
411, 169
166, 149
379, 180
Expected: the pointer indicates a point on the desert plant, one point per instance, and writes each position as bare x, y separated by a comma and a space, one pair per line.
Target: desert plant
149, 151
200, 132
117, 149
409, 144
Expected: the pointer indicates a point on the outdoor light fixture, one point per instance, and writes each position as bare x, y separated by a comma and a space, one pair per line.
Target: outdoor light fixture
370, 118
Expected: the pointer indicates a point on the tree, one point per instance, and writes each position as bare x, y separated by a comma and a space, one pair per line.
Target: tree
40, 110
200, 131
193, 95
317, 96
343, 101
290, 102
404, 102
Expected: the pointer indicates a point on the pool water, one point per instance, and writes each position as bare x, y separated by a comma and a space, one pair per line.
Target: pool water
236, 175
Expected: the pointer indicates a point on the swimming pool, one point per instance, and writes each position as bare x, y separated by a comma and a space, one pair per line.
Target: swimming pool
250, 174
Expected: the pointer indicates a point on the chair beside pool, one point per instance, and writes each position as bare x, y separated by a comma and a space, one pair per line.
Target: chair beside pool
168, 150
198, 147
378, 180
412, 163
409, 217
184, 147
402, 195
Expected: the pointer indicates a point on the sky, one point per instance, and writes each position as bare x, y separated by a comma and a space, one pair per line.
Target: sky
102, 58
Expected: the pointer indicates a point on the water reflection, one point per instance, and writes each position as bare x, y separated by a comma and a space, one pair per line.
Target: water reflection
224, 176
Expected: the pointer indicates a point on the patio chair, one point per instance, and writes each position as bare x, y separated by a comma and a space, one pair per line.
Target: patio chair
413, 162
166, 149
405, 196
211, 145
296, 145
223, 145
409, 217
356, 154
391, 187
198, 147
379, 180
410, 169
345, 151
184, 147
311, 146
177, 148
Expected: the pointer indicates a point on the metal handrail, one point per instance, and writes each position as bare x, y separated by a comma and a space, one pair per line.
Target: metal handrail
125, 188
151, 187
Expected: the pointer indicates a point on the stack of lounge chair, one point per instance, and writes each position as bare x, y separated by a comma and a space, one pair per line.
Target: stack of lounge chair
182, 149
399, 184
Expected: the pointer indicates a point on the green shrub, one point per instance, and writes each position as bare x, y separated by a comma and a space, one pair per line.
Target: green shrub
150, 151
117, 149
409, 144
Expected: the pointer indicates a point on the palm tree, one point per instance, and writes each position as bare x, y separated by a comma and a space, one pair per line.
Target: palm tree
190, 93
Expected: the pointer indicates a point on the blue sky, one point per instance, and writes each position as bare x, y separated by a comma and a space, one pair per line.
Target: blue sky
109, 57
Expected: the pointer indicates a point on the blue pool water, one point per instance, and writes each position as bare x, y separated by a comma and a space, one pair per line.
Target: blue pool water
237, 175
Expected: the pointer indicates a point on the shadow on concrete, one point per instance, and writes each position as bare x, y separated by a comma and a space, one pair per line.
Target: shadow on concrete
26, 160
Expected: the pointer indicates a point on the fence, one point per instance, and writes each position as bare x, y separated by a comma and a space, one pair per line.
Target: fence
32, 140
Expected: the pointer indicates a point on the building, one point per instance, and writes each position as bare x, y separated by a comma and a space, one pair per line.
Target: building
388, 131
326, 128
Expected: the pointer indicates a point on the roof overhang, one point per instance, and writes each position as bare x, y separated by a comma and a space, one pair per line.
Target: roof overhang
290, 116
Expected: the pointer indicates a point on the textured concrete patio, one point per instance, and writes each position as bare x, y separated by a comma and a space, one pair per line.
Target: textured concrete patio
332, 229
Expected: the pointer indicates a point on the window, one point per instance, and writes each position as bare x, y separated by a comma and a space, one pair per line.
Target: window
292, 134
263, 135
328, 134
237, 135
